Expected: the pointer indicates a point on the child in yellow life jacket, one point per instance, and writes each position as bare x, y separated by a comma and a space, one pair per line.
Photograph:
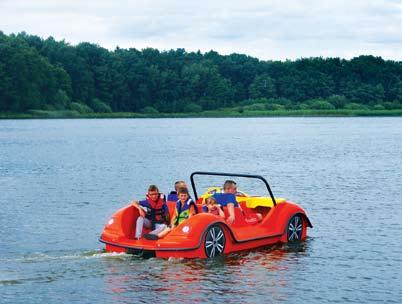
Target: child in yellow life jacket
185, 208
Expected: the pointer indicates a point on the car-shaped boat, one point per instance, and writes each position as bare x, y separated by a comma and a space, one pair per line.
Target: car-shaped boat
206, 235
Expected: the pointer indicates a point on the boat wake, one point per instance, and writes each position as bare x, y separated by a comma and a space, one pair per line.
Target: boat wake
37, 257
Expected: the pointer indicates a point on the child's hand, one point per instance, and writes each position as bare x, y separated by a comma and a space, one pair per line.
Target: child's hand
230, 220
142, 210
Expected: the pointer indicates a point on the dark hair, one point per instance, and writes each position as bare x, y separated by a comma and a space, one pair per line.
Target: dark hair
182, 191
229, 182
153, 188
178, 183
211, 198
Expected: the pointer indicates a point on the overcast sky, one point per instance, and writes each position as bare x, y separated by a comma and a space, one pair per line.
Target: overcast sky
269, 30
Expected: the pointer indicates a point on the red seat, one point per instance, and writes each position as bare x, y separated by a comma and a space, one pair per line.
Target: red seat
242, 219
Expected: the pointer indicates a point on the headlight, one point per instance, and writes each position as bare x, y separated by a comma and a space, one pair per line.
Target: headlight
185, 229
110, 222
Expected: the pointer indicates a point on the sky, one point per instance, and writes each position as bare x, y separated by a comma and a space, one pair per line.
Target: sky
268, 30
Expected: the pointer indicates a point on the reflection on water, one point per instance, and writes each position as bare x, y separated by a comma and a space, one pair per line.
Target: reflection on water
231, 278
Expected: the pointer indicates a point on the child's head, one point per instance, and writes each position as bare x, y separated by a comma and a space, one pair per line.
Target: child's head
153, 192
179, 184
230, 186
182, 194
210, 201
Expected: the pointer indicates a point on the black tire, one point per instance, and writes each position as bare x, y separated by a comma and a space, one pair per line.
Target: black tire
215, 240
295, 229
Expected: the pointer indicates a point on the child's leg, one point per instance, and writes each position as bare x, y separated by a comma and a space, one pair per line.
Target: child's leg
164, 232
158, 232
141, 222
138, 227
158, 229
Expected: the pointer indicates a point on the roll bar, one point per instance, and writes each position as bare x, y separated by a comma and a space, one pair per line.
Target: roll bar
230, 174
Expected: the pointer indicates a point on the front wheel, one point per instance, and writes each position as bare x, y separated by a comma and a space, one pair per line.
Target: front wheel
214, 241
295, 229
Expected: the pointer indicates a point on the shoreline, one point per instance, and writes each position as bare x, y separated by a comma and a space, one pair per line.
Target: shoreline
37, 114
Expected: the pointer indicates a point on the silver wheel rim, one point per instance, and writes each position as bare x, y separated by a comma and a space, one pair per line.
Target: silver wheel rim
214, 242
295, 229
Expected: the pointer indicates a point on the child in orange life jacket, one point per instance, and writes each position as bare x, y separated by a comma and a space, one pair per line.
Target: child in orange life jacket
211, 206
185, 208
153, 212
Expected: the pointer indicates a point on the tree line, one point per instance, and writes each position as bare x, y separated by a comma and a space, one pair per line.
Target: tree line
46, 74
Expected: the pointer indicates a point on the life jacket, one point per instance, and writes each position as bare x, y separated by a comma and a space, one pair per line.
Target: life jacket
183, 212
172, 197
156, 212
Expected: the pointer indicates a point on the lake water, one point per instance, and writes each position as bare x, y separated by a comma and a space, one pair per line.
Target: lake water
60, 180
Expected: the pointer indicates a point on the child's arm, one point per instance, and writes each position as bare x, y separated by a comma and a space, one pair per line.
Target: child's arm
140, 209
167, 215
192, 211
221, 213
173, 220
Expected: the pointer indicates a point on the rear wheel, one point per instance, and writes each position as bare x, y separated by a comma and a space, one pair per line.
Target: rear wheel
214, 241
295, 229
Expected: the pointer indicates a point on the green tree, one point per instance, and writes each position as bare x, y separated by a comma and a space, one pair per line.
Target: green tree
61, 100
338, 101
262, 86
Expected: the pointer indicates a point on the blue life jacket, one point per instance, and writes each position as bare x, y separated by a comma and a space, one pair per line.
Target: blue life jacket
172, 196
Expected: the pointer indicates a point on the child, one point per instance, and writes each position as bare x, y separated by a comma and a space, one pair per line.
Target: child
211, 206
172, 197
153, 212
185, 208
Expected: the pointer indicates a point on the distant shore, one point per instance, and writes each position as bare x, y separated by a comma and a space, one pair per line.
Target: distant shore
39, 114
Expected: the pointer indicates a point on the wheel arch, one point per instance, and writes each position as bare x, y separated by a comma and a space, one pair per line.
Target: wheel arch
302, 215
305, 217
221, 223
228, 236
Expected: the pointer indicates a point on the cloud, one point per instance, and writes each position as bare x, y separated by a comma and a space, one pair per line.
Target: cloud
265, 29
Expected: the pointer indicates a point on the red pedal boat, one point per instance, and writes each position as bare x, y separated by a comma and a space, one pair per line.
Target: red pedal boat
206, 235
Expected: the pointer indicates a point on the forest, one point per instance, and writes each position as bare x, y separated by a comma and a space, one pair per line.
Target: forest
39, 74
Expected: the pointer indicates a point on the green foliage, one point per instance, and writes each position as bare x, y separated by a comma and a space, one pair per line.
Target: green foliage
378, 107
395, 91
149, 110
355, 106
274, 107
192, 108
319, 104
52, 75
61, 100
364, 93
54, 114
255, 107
262, 87
80, 108
100, 107
338, 101
392, 105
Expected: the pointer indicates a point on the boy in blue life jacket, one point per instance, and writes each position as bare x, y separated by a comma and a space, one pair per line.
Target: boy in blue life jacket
153, 212
185, 208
